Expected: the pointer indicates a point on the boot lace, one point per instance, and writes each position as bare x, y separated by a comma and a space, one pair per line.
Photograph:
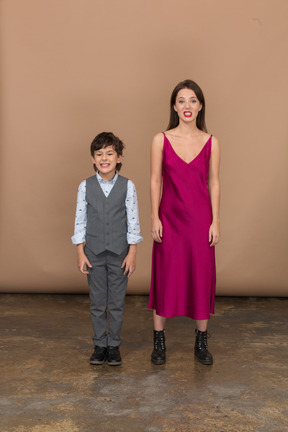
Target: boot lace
160, 341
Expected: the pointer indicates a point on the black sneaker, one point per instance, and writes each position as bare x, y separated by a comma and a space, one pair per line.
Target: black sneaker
99, 355
113, 356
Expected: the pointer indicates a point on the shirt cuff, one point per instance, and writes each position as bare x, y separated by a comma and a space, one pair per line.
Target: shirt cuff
134, 239
78, 238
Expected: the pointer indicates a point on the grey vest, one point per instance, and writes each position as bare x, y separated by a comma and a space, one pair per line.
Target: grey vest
106, 217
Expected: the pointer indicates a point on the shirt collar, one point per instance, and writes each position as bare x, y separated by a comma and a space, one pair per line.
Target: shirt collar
102, 181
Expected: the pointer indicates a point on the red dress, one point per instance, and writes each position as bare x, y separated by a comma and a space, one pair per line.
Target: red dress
183, 266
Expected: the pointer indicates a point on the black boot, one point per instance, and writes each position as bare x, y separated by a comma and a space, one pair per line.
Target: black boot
158, 355
201, 348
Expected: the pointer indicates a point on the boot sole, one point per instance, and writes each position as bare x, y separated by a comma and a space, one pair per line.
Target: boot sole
204, 362
96, 363
159, 362
114, 363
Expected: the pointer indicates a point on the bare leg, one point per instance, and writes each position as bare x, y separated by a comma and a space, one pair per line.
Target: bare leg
159, 321
201, 325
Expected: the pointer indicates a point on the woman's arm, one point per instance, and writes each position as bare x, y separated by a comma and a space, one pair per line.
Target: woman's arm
214, 191
155, 186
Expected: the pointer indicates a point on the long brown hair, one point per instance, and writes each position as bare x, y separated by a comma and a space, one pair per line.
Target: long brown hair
174, 119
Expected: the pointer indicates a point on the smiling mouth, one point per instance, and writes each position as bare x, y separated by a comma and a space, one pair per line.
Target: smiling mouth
104, 165
187, 114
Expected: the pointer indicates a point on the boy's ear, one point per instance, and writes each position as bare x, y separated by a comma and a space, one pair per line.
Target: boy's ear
93, 159
119, 158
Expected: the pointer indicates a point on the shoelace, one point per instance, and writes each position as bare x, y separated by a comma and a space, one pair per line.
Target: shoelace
203, 339
160, 343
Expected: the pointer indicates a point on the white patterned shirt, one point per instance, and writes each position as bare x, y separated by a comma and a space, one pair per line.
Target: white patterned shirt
131, 203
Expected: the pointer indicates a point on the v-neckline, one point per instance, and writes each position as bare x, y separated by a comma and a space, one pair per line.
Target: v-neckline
106, 197
187, 163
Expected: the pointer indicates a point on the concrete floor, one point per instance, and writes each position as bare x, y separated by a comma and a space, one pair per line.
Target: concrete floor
47, 384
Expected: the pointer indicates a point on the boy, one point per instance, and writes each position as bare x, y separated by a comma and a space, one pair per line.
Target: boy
106, 233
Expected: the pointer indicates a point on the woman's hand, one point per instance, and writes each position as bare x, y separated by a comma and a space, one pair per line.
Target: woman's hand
214, 233
157, 230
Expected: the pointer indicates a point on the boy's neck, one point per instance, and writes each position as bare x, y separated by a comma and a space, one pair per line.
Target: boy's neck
107, 177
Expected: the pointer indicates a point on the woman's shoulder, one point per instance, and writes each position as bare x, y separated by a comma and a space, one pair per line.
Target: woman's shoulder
158, 140
207, 136
159, 136
215, 146
215, 141
171, 132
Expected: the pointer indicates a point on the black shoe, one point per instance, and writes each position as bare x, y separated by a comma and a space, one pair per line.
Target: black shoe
158, 355
99, 355
201, 348
113, 356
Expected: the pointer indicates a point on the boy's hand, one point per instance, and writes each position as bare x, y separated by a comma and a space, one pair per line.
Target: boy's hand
82, 260
129, 263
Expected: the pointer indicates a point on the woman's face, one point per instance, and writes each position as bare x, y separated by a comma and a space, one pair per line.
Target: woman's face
187, 105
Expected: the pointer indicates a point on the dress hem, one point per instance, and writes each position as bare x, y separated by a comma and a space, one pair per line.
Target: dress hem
182, 315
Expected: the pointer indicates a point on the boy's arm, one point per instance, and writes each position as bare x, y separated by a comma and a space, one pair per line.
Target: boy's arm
133, 225
80, 229
133, 229
81, 216
129, 263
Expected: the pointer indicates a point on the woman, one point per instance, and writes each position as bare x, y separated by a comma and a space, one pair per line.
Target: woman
185, 220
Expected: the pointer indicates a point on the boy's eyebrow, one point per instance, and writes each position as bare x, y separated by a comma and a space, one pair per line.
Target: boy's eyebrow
100, 150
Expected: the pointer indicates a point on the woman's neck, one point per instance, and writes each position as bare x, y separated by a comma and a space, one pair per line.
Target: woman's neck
188, 129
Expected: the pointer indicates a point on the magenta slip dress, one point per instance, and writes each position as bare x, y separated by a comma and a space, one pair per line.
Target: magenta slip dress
183, 275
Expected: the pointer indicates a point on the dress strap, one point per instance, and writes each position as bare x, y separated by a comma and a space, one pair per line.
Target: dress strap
164, 145
209, 146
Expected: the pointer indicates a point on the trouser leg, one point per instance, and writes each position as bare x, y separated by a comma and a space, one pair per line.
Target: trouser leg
97, 280
117, 285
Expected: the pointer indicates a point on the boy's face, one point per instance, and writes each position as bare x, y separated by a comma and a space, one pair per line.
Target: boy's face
106, 160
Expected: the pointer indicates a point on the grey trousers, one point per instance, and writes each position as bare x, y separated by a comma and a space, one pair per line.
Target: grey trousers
107, 289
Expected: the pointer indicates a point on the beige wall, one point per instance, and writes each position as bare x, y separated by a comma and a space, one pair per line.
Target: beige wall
71, 69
